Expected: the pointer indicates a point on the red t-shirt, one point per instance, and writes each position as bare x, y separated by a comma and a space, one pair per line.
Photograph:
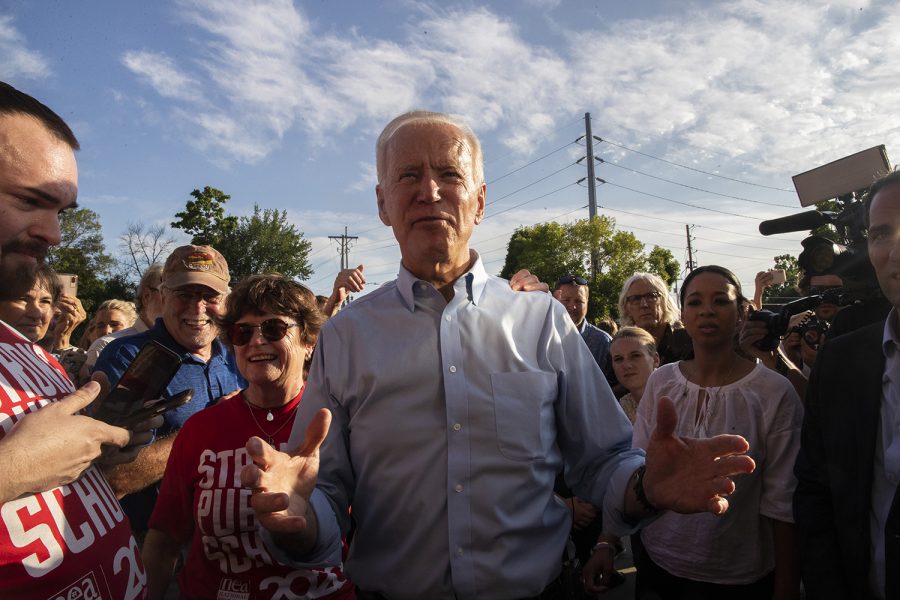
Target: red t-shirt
202, 501
70, 542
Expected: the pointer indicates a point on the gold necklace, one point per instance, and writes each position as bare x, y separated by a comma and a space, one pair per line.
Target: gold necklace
270, 438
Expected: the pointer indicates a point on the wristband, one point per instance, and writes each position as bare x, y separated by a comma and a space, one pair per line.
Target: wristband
606, 545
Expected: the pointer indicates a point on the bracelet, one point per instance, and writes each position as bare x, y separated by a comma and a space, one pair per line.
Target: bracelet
639, 490
606, 545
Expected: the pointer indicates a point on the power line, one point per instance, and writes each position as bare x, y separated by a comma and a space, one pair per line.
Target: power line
768, 187
535, 182
516, 170
527, 201
684, 185
680, 222
723, 212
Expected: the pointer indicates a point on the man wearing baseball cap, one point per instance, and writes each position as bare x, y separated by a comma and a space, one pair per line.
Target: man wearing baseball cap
194, 286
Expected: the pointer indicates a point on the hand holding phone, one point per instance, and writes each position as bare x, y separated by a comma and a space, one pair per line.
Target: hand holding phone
138, 394
778, 276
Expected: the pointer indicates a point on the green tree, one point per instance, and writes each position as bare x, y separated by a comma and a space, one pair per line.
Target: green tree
81, 251
266, 242
204, 218
550, 250
661, 262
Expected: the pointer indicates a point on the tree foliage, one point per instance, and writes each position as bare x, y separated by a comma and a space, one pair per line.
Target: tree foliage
550, 250
142, 246
81, 251
266, 242
790, 287
204, 219
662, 262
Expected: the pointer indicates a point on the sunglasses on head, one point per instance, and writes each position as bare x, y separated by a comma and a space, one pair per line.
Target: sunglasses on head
566, 280
271, 329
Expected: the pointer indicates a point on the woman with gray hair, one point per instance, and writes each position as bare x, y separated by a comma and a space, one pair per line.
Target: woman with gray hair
645, 302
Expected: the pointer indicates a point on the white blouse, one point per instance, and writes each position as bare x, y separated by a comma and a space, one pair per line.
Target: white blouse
736, 547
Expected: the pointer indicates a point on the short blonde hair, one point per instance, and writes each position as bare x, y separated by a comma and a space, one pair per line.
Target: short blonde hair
671, 314
123, 306
424, 117
641, 335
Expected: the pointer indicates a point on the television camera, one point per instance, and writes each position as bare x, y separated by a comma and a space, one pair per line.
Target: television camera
846, 180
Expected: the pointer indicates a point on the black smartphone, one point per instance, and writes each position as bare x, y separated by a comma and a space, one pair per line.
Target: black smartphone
141, 385
154, 407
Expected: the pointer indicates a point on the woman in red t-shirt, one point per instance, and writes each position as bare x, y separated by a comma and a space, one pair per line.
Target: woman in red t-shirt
272, 324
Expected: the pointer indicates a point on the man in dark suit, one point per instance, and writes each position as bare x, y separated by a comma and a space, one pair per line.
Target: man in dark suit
849, 463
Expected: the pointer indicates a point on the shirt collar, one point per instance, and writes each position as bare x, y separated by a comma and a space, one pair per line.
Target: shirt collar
583, 325
471, 283
889, 341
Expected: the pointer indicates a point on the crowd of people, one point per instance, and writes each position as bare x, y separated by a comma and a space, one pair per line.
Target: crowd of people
448, 435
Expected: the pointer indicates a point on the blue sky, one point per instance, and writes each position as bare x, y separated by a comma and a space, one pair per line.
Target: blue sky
279, 103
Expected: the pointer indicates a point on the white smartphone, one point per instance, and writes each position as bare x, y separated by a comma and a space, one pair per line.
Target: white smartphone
778, 276
69, 283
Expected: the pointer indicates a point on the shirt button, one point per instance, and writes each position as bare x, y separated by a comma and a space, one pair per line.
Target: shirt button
458, 487
449, 318
459, 551
457, 427
452, 369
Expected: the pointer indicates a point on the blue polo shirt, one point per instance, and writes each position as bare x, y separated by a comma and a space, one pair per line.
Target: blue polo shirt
210, 380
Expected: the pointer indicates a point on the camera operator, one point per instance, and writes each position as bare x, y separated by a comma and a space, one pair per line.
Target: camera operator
846, 507
752, 332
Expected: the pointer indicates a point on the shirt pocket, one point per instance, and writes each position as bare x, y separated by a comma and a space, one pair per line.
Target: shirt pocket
523, 411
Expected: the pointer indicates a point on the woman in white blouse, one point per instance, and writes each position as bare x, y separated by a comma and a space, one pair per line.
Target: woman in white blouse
748, 552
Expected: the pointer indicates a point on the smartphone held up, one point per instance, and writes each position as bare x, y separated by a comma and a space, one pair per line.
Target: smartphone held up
138, 395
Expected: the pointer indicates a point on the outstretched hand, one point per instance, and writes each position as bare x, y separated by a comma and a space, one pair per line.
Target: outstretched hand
282, 483
690, 475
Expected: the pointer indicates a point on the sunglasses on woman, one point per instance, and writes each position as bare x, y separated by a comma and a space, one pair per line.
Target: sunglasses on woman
271, 329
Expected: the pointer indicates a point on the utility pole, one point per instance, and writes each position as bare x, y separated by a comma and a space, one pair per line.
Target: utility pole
690, 251
344, 250
592, 190
589, 144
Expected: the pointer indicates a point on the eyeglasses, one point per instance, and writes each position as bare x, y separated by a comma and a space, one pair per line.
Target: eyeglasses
649, 297
189, 297
271, 329
567, 279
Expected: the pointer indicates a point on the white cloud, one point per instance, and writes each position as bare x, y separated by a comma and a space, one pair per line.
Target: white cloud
163, 75
18, 61
773, 83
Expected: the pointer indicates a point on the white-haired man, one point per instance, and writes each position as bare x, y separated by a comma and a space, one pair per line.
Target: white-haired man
455, 402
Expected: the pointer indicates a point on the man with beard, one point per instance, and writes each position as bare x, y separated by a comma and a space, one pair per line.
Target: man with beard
194, 285
62, 534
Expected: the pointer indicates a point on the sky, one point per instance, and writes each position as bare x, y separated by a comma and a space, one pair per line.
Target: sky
705, 109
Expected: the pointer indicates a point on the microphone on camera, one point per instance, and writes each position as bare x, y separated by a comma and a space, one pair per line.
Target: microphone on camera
799, 222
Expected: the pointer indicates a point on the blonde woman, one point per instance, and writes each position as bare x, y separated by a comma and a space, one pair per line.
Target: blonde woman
634, 358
